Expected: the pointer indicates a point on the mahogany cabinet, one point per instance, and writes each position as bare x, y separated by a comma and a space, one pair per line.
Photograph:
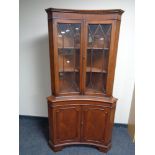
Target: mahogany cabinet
83, 49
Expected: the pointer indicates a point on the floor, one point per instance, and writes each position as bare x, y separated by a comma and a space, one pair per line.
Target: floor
34, 140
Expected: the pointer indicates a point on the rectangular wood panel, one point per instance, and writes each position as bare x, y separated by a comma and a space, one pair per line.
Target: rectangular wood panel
94, 124
67, 123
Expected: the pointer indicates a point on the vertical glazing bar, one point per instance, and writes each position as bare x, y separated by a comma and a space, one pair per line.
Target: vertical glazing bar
91, 67
63, 55
103, 61
74, 59
103, 64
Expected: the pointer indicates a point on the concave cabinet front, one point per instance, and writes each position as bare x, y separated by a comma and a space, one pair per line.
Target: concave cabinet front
83, 49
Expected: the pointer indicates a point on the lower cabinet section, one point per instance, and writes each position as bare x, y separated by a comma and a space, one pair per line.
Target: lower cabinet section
80, 122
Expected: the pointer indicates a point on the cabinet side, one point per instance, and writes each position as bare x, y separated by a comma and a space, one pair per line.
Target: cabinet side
113, 56
51, 52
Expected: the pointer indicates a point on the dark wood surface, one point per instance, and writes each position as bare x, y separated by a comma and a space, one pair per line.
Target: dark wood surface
93, 129
82, 117
84, 11
67, 123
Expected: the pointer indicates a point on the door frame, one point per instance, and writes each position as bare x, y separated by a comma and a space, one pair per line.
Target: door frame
111, 58
55, 44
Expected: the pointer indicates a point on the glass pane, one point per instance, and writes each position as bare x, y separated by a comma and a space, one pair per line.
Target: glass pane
97, 57
69, 57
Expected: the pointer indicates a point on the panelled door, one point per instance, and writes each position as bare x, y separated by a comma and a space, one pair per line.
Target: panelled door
68, 36
94, 122
67, 122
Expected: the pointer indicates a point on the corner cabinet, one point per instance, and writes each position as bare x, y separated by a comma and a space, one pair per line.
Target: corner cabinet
83, 49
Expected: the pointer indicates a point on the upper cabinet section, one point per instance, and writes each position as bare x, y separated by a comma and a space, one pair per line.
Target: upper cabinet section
83, 49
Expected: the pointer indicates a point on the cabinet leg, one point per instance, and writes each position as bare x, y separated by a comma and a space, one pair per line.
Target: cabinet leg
102, 149
56, 149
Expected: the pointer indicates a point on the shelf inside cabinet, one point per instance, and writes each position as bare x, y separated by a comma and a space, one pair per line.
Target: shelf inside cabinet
93, 91
95, 70
68, 70
97, 48
88, 69
69, 48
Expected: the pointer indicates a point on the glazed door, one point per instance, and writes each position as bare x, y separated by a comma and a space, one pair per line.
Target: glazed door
68, 56
67, 124
95, 121
97, 49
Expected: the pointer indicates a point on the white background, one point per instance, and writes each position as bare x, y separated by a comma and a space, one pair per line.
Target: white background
34, 54
144, 73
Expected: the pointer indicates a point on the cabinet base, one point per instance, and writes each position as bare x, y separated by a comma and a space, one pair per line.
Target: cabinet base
59, 147
55, 148
104, 149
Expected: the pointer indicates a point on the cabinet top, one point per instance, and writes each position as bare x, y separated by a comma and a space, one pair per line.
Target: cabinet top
119, 11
